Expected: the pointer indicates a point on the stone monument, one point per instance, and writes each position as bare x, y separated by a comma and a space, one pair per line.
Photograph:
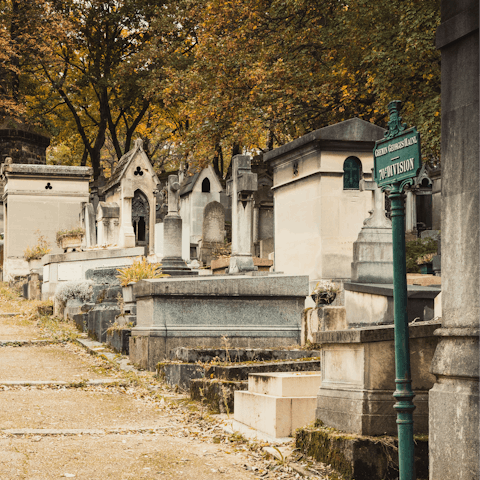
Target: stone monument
373, 251
172, 262
213, 230
241, 187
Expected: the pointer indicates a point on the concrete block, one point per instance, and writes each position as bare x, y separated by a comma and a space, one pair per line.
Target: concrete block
285, 384
370, 304
217, 394
275, 416
180, 374
119, 340
252, 312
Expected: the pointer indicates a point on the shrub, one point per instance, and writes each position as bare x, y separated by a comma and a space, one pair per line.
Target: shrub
140, 270
416, 249
80, 290
39, 250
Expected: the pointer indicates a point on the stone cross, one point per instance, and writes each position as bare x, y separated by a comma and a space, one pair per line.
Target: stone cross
173, 194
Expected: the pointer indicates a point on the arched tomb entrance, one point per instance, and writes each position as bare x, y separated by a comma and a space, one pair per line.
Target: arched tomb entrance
140, 218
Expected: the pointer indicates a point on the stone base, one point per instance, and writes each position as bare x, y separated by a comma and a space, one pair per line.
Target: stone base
367, 412
321, 319
360, 458
241, 263
371, 304
217, 394
175, 266
358, 378
146, 351
119, 340
100, 318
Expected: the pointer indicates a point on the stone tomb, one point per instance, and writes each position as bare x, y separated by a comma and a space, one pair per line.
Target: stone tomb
358, 378
251, 311
196, 192
69, 267
39, 199
277, 403
319, 207
131, 189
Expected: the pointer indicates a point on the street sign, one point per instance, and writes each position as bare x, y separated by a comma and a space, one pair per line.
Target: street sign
397, 159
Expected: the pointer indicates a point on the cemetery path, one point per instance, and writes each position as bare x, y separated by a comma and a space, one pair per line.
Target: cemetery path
65, 413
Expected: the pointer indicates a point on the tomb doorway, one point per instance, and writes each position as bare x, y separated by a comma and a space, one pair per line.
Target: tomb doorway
140, 218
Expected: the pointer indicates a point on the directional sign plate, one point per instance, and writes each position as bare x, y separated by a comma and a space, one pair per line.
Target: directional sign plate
397, 158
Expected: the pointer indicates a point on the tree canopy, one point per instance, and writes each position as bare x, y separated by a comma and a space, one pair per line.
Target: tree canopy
200, 80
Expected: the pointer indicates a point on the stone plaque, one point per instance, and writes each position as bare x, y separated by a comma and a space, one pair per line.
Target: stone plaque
69, 272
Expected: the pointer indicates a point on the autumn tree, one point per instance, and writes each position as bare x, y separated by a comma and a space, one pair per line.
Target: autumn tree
266, 71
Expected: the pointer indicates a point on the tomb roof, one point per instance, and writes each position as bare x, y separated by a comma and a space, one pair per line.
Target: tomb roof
353, 131
188, 184
45, 170
123, 164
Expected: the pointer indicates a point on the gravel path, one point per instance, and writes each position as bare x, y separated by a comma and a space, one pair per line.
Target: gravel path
65, 413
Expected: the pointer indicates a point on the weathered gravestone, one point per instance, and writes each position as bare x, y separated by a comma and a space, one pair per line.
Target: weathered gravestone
213, 230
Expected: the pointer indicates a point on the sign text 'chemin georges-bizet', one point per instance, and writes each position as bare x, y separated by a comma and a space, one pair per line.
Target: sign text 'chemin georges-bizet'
398, 158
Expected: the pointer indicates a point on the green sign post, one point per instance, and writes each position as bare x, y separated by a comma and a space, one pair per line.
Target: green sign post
396, 163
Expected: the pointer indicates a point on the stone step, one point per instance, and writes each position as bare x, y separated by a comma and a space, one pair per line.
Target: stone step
276, 416
285, 384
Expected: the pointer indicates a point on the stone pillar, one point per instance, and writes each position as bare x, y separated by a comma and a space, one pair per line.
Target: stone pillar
241, 187
410, 212
88, 223
453, 401
172, 262
127, 234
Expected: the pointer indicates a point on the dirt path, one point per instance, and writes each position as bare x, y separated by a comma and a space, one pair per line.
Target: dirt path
67, 414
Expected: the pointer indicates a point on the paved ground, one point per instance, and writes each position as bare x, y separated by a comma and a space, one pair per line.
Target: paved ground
65, 413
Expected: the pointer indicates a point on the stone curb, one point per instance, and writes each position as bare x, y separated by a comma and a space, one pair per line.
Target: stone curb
29, 343
99, 349
79, 431
73, 384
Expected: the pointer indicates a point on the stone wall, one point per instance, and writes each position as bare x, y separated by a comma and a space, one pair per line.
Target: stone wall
23, 146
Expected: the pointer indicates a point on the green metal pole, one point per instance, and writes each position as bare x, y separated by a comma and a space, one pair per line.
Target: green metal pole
403, 393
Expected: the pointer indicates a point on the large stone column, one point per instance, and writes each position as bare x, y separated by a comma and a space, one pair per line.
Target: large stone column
241, 188
453, 401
